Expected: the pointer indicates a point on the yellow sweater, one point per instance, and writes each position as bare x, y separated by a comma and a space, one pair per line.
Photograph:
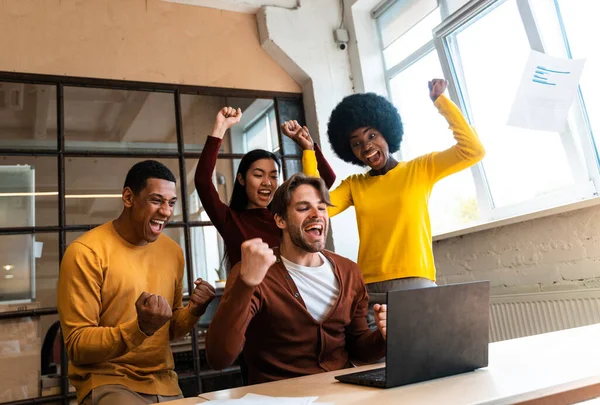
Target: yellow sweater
101, 277
391, 209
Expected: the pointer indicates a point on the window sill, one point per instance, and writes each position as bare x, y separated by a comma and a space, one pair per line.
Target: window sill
589, 202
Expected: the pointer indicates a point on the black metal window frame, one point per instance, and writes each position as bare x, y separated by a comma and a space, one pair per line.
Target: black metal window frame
60, 82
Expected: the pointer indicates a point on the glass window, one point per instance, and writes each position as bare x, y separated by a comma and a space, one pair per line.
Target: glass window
290, 109
18, 268
94, 187
484, 47
100, 122
208, 250
572, 32
198, 117
293, 166
453, 202
27, 116
28, 191
107, 119
223, 179
20, 352
262, 132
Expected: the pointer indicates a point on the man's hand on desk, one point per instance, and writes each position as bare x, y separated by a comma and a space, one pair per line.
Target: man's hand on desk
202, 296
381, 317
153, 312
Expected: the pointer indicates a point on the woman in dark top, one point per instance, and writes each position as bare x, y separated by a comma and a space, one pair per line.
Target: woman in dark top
248, 215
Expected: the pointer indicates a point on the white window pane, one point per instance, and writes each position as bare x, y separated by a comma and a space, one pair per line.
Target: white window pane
257, 136
453, 202
520, 164
273, 129
412, 40
208, 254
253, 131
581, 25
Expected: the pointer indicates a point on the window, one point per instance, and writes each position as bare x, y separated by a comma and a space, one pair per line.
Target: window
524, 170
261, 133
65, 148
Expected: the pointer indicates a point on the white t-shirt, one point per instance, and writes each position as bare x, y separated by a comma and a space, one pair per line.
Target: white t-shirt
318, 286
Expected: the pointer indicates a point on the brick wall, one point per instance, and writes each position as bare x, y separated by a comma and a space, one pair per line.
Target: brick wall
554, 253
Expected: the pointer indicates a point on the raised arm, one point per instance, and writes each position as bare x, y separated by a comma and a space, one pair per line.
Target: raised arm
341, 198
209, 196
79, 306
467, 151
239, 304
313, 161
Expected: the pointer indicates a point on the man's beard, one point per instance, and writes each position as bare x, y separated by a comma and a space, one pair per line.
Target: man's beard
298, 240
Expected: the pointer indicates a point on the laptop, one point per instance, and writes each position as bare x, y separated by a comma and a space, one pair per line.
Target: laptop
431, 333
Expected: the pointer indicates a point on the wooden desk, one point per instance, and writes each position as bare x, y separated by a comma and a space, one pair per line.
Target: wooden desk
559, 368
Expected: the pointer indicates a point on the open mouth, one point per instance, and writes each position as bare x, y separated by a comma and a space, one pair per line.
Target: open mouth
373, 157
264, 193
314, 230
157, 225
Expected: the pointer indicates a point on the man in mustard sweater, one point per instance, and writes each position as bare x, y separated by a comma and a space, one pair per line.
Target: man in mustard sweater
120, 298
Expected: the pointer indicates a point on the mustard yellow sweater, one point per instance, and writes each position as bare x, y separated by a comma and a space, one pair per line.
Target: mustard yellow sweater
391, 209
101, 277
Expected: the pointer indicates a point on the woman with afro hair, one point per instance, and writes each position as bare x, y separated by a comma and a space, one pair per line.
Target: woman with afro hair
391, 199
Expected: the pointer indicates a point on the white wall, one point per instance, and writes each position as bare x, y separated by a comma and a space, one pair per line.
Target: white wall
301, 41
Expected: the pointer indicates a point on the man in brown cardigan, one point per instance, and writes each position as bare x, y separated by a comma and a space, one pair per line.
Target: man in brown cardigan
297, 309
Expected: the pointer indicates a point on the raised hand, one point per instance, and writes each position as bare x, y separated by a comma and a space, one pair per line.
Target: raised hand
202, 295
226, 118
257, 257
381, 318
436, 88
153, 312
298, 134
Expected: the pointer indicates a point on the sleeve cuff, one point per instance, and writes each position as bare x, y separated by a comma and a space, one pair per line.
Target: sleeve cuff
132, 334
213, 141
309, 163
441, 102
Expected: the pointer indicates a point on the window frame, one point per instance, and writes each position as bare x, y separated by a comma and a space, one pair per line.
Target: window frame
585, 169
60, 153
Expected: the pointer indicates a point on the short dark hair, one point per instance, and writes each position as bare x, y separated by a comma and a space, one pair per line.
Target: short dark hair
239, 197
360, 111
138, 175
283, 195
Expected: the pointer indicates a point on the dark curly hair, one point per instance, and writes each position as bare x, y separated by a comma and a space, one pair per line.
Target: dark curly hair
138, 175
359, 111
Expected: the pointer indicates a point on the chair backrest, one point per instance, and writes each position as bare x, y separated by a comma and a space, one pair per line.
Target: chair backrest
47, 356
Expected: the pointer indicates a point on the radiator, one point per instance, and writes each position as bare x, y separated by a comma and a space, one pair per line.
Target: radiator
518, 315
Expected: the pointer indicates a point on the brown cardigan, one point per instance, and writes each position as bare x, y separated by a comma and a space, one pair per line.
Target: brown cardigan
279, 337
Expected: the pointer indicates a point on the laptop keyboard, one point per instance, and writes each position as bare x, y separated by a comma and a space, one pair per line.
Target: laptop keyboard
372, 375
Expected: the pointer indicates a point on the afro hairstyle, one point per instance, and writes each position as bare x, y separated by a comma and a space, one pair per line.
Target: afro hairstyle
359, 111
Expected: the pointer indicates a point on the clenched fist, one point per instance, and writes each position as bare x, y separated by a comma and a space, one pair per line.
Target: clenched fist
226, 118
381, 318
436, 88
257, 257
153, 312
202, 295
298, 134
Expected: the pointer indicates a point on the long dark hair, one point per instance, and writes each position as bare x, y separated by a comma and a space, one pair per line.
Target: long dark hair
239, 198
